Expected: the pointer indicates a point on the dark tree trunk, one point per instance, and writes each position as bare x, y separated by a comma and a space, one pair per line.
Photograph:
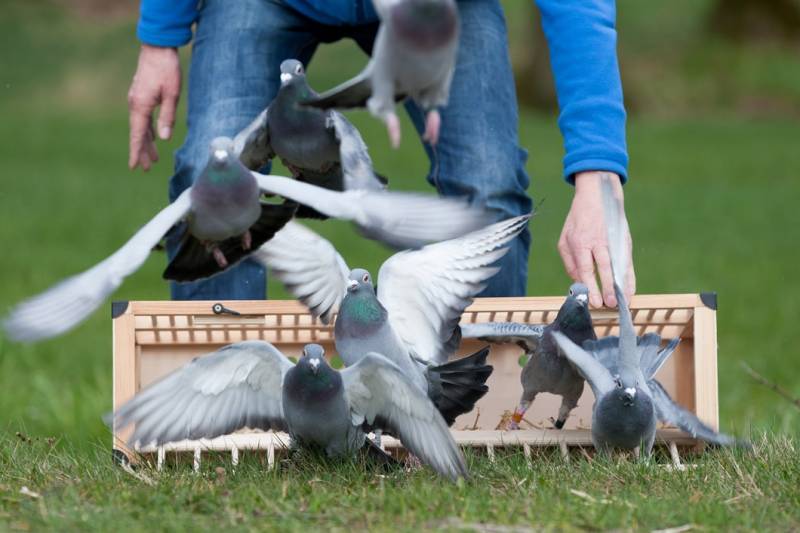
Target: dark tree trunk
756, 20
534, 78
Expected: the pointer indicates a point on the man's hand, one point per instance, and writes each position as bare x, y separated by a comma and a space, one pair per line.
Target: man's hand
157, 82
584, 241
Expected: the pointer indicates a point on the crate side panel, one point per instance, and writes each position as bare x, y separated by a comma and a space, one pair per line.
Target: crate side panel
705, 366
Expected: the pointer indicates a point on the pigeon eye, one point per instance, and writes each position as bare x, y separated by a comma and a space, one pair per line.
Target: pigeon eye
298, 69
618, 382
571, 292
366, 278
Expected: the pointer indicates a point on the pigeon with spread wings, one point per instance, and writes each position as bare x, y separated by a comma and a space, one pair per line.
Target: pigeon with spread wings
413, 319
222, 219
252, 384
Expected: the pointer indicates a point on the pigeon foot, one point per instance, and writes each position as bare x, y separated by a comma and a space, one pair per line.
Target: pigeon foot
393, 127
516, 418
433, 122
247, 240
219, 257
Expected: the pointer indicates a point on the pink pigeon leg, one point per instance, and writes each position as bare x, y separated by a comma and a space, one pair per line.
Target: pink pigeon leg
219, 257
247, 240
393, 127
433, 122
519, 412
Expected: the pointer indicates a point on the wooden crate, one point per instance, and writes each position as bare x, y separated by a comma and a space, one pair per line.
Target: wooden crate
153, 338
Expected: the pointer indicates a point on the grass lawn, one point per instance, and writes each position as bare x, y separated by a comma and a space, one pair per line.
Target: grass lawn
712, 204
81, 490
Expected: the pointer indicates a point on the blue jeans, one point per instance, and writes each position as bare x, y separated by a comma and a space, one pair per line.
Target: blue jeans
234, 75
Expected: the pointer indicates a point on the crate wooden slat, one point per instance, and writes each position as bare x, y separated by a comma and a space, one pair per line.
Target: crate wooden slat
152, 338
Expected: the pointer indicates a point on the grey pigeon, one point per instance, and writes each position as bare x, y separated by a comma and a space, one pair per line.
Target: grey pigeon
227, 220
546, 369
621, 370
414, 56
252, 384
229, 191
413, 318
319, 147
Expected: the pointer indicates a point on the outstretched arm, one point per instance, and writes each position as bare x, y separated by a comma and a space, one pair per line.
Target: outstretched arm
582, 39
162, 27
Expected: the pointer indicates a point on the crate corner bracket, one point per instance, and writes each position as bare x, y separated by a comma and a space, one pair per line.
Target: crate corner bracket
709, 299
118, 307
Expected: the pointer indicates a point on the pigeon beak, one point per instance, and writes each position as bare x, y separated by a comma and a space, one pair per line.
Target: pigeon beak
629, 395
582, 299
352, 285
285, 78
314, 365
220, 155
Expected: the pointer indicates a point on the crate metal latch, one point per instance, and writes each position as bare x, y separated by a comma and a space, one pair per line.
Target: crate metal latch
220, 309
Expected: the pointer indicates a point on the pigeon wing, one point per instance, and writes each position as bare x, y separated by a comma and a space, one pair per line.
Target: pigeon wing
527, 336
425, 291
252, 144
353, 154
671, 413
310, 268
402, 220
382, 396
654, 359
237, 386
592, 370
353, 93
70, 302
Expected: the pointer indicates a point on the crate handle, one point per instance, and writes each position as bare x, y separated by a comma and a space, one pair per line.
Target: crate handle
220, 309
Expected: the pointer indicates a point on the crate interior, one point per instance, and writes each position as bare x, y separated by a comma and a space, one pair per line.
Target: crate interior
166, 338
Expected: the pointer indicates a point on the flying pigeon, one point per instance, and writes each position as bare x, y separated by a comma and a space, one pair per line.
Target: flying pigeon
414, 56
621, 370
546, 369
413, 318
319, 147
252, 384
213, 217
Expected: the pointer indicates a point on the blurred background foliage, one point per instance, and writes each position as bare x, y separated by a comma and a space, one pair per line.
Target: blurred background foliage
713, 90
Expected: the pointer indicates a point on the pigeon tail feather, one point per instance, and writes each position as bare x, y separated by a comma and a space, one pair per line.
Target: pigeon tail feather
458, 385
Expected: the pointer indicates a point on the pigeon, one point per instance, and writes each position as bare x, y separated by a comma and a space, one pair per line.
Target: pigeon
227, 220
621, 370
413, 318
392, 217
546, 369
251, 384
414, 56
318, 147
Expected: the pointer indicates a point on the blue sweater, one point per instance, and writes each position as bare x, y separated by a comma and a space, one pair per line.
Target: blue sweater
582, 38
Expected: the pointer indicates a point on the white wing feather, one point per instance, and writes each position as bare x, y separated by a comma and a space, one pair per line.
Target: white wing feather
378, 391
426, 291
237, 386
70, 302
403, 220
309, 266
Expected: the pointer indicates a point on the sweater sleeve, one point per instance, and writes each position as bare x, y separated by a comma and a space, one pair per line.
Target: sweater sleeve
582, 39
166, 22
